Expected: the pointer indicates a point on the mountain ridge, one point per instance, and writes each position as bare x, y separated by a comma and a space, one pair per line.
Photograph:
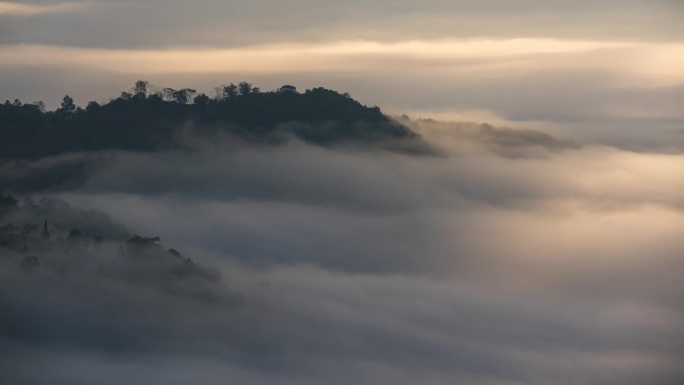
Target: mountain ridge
149, 118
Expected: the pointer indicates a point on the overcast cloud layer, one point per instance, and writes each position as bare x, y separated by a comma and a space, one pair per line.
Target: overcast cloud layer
515, 257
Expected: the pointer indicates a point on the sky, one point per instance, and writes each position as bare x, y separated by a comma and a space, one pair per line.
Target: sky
579, 62
545, 247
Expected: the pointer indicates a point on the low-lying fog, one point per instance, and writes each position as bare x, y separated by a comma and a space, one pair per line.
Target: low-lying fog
508, 257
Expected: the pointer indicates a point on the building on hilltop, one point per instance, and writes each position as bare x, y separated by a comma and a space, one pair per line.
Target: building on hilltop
46, 232
287, 89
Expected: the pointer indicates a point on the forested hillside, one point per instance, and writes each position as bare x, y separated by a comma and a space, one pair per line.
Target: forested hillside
149, 118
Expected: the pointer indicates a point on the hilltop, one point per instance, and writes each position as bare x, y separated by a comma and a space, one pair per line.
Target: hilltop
87, 242
149, 118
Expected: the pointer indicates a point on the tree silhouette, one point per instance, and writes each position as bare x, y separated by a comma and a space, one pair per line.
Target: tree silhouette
40, 105
68, 107
245, 88
141, 87
230, 91
201, 100
184, 96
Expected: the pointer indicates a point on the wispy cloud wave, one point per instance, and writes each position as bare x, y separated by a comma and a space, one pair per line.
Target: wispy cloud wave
10, 8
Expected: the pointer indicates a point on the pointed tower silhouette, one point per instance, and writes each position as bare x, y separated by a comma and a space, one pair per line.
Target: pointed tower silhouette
46, 232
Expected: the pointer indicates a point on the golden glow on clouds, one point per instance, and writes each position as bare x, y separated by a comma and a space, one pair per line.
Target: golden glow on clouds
8, 8
468, 47
633, 64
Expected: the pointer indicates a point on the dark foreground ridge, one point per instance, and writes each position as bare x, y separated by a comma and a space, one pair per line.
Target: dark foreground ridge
78, 243
149, 118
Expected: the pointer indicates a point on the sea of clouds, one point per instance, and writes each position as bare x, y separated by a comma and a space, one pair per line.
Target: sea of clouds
505, 256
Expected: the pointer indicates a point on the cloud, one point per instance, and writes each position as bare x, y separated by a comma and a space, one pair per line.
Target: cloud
306, 325
543, 247
241, 23
18, 9
482, 58
58, 172
521, 256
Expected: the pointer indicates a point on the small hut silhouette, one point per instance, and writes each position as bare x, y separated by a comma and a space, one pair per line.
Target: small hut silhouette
46, 232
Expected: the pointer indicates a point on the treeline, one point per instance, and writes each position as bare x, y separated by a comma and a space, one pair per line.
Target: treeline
149, 118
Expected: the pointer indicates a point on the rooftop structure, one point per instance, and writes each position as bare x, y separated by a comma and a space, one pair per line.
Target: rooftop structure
46, 232
287, 88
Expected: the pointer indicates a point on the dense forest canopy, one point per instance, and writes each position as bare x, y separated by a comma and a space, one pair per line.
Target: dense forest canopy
148, 118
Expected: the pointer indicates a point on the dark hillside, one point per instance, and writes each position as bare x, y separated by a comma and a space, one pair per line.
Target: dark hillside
142, 120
